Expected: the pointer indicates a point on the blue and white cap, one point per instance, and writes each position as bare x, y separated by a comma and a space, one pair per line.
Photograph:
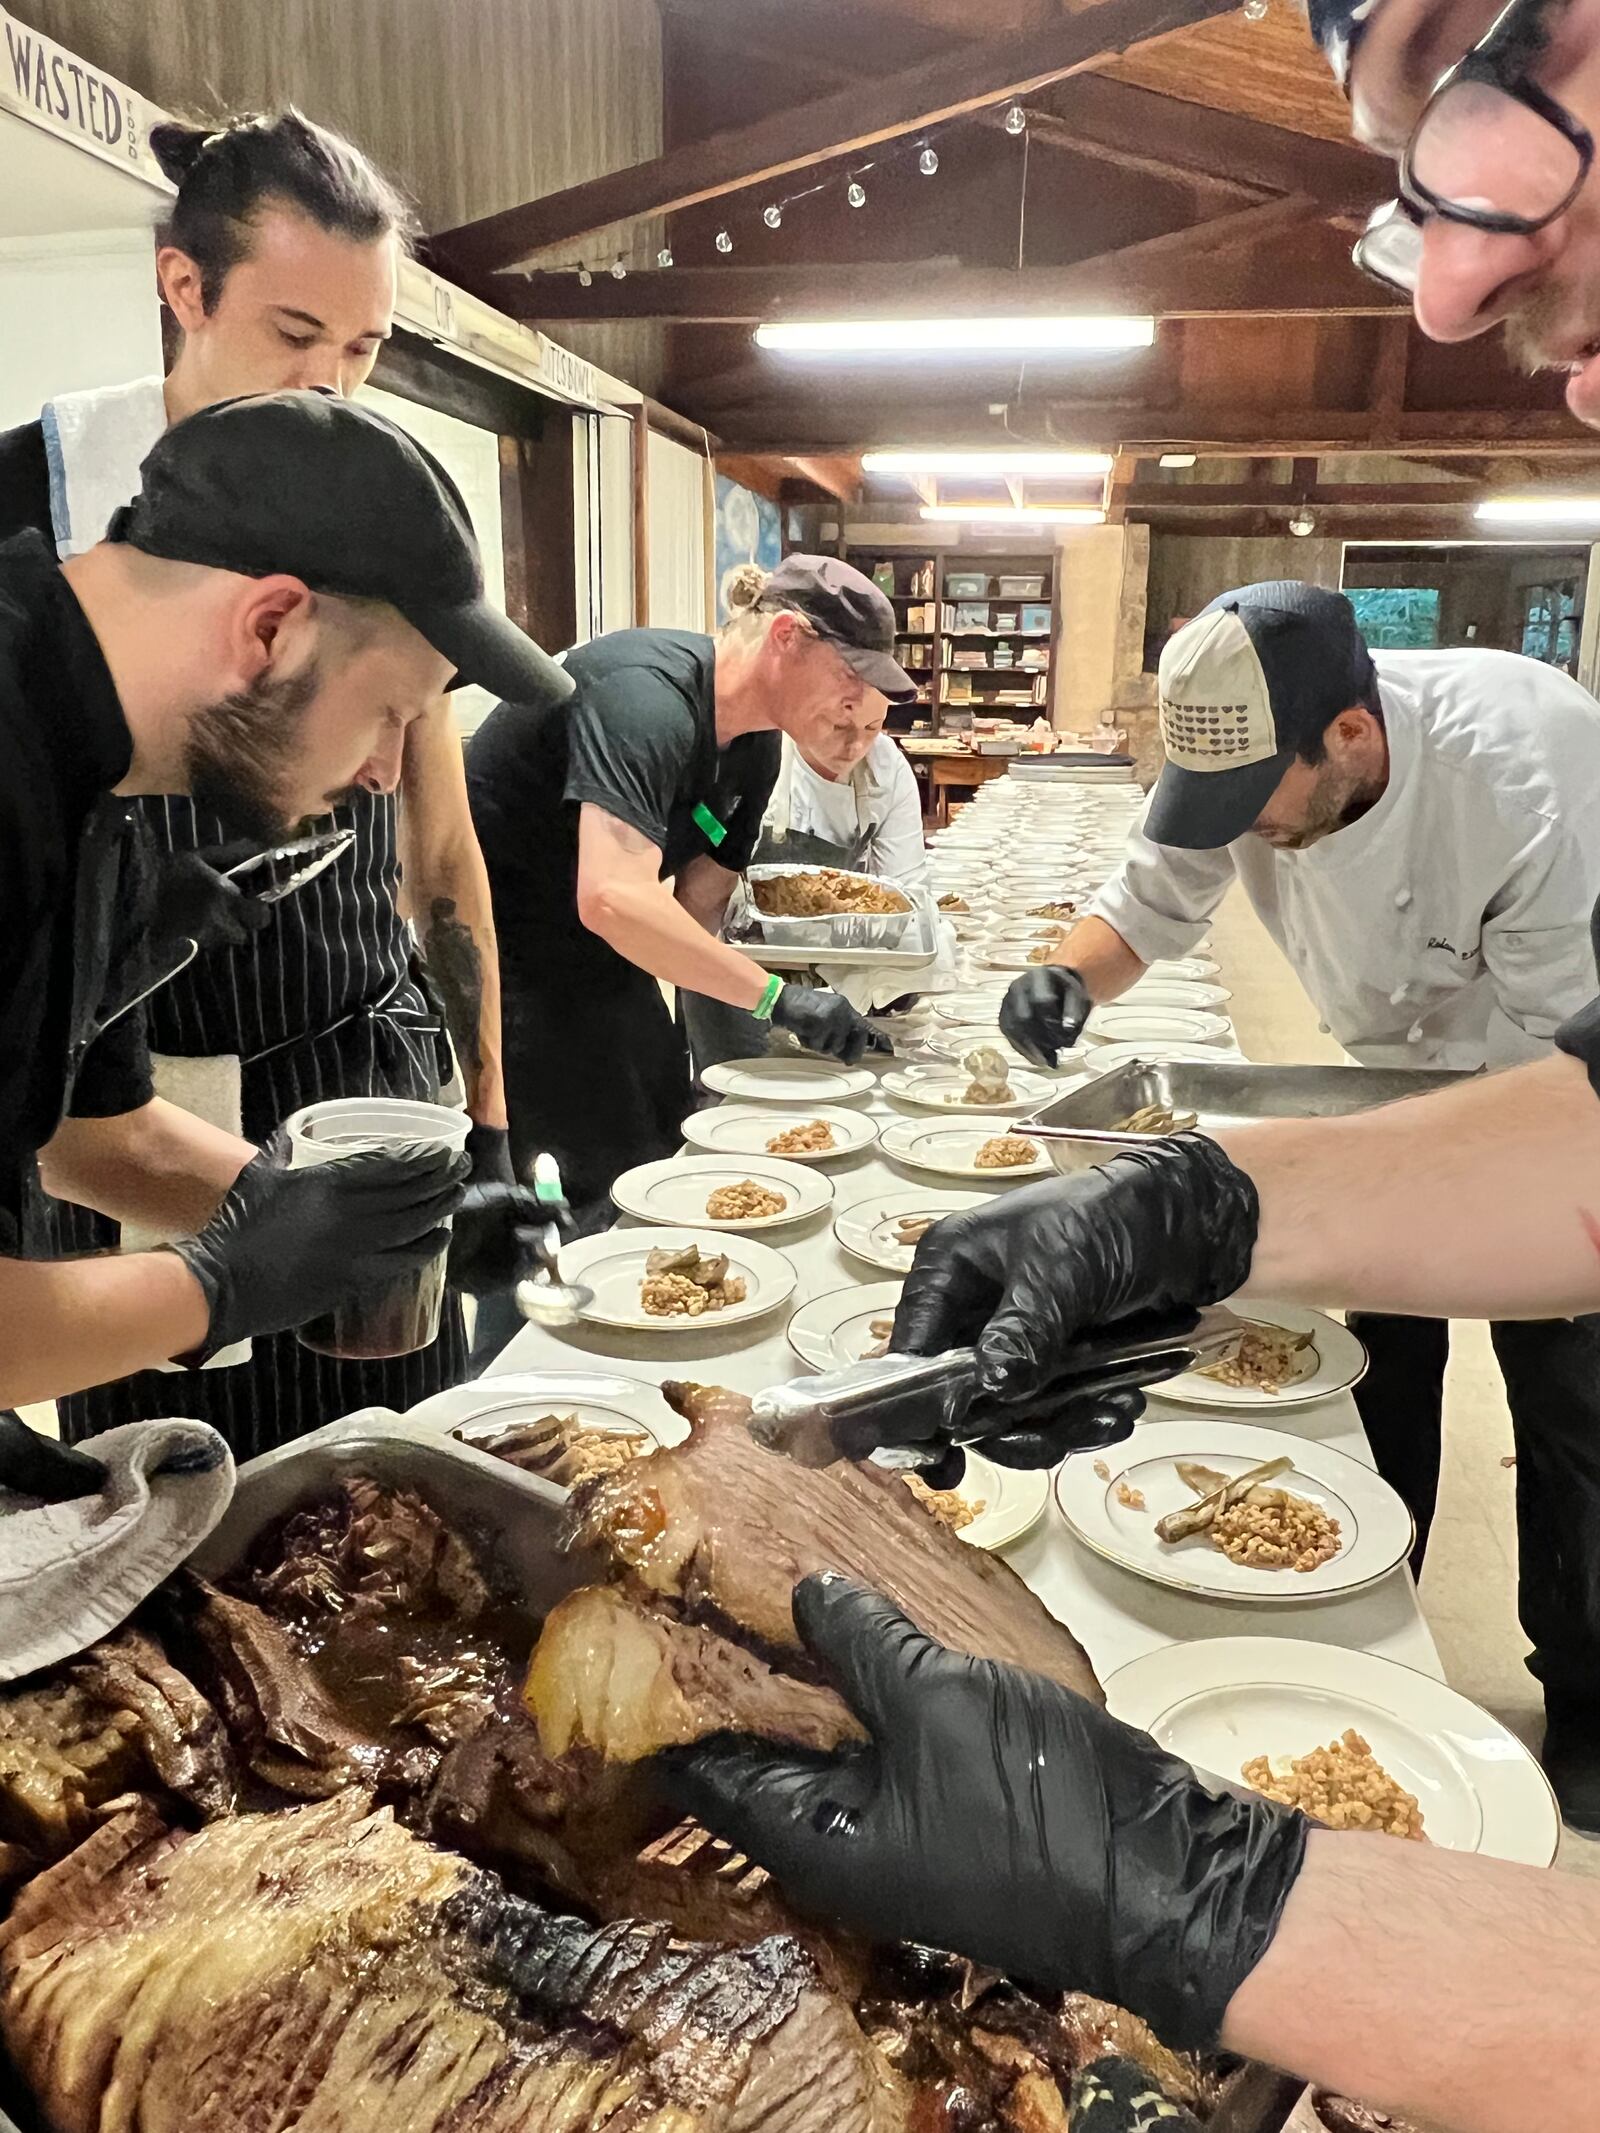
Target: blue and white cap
1338, 26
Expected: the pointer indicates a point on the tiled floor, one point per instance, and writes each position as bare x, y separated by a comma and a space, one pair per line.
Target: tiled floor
1469, 1585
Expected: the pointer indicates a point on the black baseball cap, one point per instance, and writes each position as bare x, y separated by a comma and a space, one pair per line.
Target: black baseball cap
1244, 685
341, 498
846, 608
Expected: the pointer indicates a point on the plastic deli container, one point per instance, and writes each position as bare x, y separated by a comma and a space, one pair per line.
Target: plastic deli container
404, 1316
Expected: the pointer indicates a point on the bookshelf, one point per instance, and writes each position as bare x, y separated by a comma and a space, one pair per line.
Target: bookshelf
974, 629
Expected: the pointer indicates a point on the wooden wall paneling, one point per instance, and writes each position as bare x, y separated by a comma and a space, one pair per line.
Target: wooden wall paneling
1189, 569
540, 530
641, 517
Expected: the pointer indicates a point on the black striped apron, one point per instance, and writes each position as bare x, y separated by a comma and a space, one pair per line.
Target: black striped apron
322, 1003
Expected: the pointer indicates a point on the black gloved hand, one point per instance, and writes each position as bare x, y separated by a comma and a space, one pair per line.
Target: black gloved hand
193, 900
1025, 1277
287, 1245
826, 1022
1044, 1011
494, 1240
489, 1153
998, 1815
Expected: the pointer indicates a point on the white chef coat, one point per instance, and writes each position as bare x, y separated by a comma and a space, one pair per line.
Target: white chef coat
1449, 926
880, 797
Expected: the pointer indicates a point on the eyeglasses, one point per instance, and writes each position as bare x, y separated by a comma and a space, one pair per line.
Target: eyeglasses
1486, 123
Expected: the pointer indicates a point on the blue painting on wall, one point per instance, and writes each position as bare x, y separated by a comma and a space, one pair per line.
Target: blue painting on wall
749, 530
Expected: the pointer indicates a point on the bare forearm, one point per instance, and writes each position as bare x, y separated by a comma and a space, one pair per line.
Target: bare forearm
456, 932
1429, 1982
645, 923
72, 1323
1101, 957
1481, 1201
159, 1165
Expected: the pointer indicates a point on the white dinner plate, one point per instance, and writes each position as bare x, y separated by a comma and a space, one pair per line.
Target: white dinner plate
1184, 967
676, 1189
599, 1399
948, 1149
745, 1129
835, 1328
1375, 1527
1008, 932
1120, 1024
1177, 992
1013, 1502
1010, 955
975, 1004
787, 1081
613, 1265
1334, 1362
1222, 1701
942, 1088
867, 1228
1104, 1058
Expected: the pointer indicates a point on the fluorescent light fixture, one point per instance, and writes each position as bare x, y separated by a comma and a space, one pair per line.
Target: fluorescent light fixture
1027, 515
948, 336
1539, 511
1178, 459
1035, 466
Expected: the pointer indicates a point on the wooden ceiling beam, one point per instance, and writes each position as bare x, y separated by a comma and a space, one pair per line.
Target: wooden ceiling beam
1178, 499
852, 119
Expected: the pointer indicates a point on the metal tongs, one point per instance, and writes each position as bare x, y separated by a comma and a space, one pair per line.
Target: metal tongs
910, 1409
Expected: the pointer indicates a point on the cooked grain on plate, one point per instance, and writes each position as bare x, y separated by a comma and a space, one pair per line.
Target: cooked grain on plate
1007, 1151
562, 1449
809, 1139
949, 1506
676, 1296
1263, 1359
745, 1202
1130, 1498
1343, 1785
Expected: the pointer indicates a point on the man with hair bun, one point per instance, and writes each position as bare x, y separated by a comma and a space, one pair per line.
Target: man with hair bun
278, 264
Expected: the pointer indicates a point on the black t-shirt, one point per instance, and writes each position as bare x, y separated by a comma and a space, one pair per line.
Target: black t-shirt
1579, 1035
70, 854
24, 481
639, 739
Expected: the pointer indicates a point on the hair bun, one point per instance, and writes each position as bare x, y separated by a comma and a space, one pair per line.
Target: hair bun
744, 587
178, 148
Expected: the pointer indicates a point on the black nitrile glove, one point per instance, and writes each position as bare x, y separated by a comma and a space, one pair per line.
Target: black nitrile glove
998, 1815
193, 900
1044, 1011
1031, 1273
489, 1153
287, 1245
826, 1022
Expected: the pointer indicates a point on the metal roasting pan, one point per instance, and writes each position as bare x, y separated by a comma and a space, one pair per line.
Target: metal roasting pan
520, 1517
1078, 1127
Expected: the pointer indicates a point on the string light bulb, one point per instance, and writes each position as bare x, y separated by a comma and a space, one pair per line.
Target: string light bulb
928, 162
724, 241
773, 216
856, 193
585, 278
619, 271
664, 256
1016, 120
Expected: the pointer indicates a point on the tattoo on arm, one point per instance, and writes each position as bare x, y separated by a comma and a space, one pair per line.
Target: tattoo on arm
456, 967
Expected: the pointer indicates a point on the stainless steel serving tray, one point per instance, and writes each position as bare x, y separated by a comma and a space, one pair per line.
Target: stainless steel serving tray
518, 1514
1078, 1128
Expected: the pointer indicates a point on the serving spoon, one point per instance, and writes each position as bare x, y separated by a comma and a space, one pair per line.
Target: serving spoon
544, 1299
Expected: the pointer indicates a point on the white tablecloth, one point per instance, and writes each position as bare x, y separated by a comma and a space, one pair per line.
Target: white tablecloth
1116, 1616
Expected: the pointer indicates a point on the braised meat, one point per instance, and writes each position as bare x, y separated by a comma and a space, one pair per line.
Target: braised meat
322, 1967
611, 1675
724, 1530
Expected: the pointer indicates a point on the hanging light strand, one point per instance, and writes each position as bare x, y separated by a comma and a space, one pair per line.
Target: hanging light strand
919, 154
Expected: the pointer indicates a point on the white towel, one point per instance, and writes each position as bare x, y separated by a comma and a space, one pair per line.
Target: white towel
95, 443
71, 1572
868, 986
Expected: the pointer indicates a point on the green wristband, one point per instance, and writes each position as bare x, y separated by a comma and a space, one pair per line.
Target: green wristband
769, 999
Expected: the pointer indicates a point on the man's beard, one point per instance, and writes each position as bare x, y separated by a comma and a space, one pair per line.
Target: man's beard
239, 751
1335, 803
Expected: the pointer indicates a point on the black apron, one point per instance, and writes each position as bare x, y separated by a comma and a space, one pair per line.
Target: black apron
324, 1002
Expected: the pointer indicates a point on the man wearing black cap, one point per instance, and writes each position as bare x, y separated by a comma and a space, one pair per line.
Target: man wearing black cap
296, 581
613, 830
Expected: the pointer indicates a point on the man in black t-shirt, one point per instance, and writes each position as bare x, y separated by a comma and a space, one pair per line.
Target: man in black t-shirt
613, 828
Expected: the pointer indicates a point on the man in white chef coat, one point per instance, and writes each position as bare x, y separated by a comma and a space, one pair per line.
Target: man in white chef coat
1418, 832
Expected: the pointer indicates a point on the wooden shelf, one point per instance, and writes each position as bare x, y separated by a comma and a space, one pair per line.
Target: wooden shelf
984, 680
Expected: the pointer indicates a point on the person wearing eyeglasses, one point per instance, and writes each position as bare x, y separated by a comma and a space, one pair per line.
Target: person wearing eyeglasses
294, 584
